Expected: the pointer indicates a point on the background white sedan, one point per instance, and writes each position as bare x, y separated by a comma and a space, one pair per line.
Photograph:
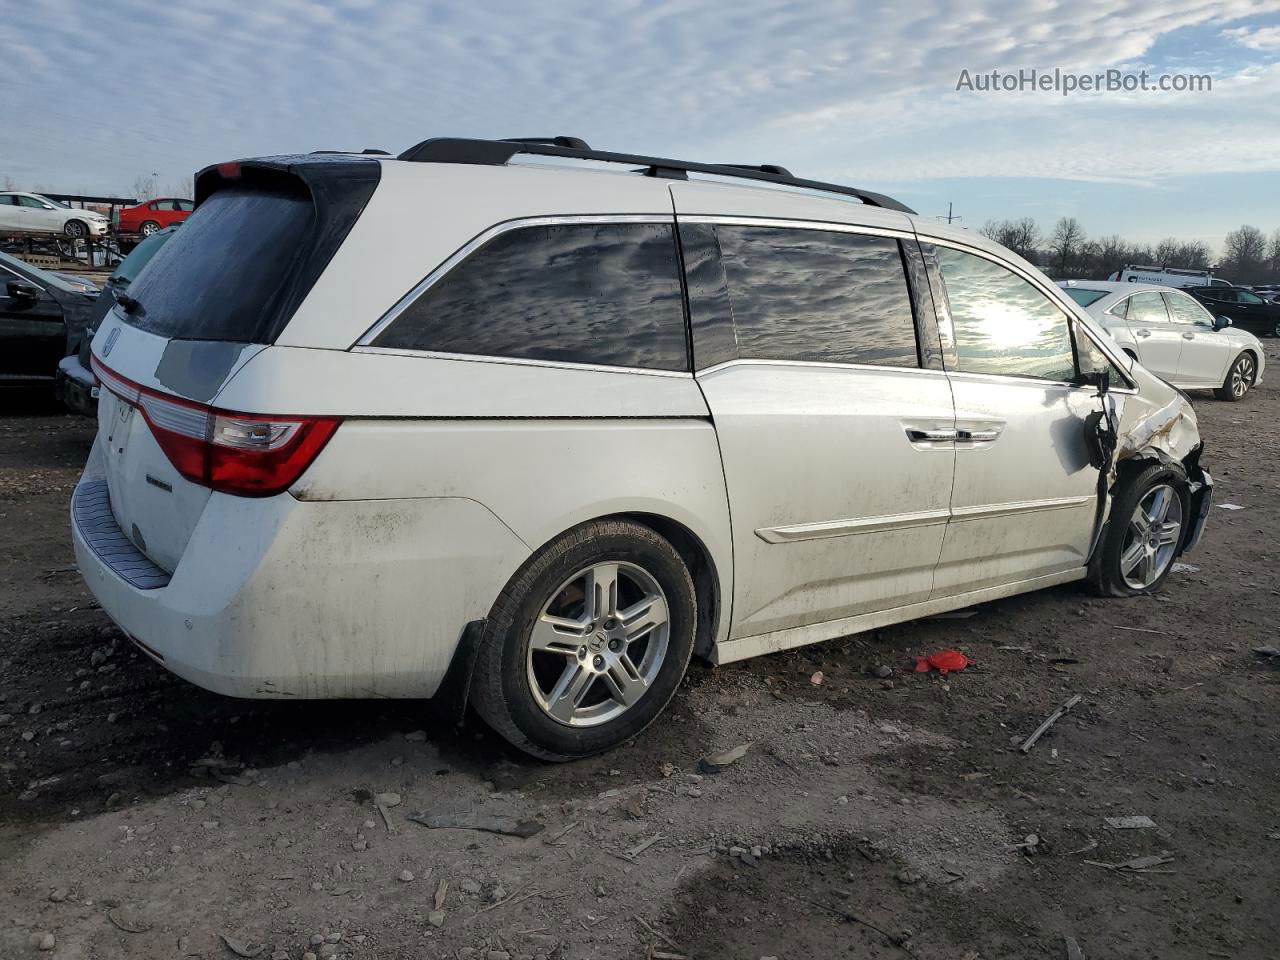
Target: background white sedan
1173, 335
32, 213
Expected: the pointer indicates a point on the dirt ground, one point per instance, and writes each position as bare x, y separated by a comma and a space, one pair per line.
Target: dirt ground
141, 817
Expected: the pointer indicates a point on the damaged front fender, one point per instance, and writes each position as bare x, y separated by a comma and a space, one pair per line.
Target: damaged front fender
1157, 423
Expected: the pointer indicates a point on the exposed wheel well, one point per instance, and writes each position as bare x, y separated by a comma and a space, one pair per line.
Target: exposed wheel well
702, 568
1132, 354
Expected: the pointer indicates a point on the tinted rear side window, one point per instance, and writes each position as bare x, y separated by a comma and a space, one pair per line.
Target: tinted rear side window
818, 295
598, 293
224, 274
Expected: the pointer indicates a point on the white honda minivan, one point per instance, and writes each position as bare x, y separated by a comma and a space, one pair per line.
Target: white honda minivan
531, 424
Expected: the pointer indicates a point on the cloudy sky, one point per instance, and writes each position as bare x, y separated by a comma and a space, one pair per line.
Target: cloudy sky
99, 92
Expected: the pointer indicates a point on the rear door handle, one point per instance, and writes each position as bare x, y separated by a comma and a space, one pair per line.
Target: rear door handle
1143, 333
978, 436
1188, 336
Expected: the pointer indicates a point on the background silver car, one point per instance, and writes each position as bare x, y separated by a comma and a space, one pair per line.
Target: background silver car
1174, 336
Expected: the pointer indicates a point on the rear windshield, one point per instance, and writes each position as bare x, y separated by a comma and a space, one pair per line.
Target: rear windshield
223, 276
1085, 297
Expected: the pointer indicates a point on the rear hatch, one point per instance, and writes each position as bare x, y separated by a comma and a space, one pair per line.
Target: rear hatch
218, 292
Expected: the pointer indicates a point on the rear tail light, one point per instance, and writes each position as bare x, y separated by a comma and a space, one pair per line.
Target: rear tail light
240, 453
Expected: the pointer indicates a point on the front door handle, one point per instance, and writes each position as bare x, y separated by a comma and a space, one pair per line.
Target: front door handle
917, 435
978, 436
1188, 336
1143, 333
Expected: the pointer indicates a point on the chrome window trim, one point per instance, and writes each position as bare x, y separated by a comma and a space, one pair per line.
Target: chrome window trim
830, 364
786, 224
519, 361
479, 240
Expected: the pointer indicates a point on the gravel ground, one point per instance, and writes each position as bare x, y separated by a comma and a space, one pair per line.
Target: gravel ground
870, 816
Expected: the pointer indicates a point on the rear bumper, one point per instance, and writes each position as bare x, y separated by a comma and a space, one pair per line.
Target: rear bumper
280, 598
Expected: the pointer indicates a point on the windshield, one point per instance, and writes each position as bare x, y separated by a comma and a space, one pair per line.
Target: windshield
43, 277
1085, 297
56, 203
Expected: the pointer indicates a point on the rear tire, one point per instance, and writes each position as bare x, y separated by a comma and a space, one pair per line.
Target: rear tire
1134, 556
555, 670
148, 228
1240, 377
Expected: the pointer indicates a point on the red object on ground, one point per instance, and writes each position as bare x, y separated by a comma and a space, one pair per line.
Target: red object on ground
944, 661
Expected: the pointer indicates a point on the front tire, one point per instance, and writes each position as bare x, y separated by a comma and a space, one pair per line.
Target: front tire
1239, 379
76, 229
587, 644
1149, 520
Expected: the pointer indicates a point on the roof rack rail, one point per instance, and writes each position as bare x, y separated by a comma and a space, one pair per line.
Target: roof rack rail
765, 167
366, 150
497, 152
576, 143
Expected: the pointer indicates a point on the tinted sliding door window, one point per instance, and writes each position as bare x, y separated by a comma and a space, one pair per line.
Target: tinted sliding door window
1004, 325
818, 295
598, 293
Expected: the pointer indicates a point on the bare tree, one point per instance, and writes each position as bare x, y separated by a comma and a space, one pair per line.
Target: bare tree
1066, 243
1021, 236
1273, 256
144, 188
179, 188
1244, 253
10, 184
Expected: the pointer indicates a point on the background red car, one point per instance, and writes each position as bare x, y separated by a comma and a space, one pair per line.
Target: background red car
147, 218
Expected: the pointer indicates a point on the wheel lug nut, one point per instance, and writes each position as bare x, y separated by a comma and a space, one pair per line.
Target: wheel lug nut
610, 624
582, 653
599, 662
615, 645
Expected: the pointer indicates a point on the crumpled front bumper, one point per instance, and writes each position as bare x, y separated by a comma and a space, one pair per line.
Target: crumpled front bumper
1200, 485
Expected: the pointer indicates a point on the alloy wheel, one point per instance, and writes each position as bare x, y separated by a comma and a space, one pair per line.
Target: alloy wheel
74, 228
1242, 375
598, 644
1152, 537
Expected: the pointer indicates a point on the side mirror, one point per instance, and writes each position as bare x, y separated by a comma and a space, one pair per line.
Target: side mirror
1098, 379
21, 290
1220, 323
